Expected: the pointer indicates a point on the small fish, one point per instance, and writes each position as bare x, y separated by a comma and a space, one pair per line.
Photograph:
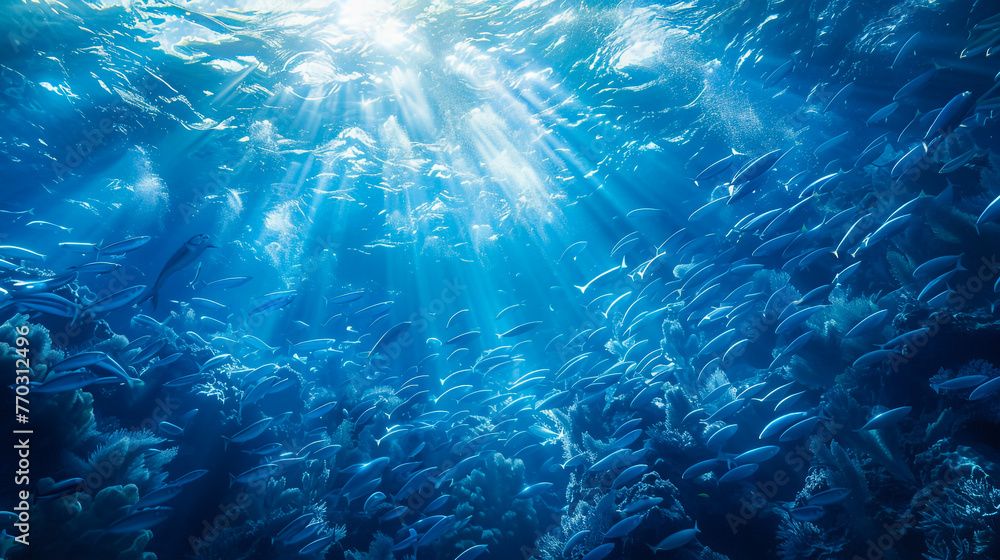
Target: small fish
140, 520
600, 552
990, 214
97, 267
372, 310
69, 381
738, 473
782, 423
800, 429
951, 115
828, 497
319, 544
873, 357
227, 283
272, 301
839, 95
887, 418
883, 114
47, 285
59, 489
77, 361
677, 540
48, 226
463, 339
158, 496
472, 552
571, 252
293, 527
122, 247
257, 343
20, 253
868, 324
117, 300
909, 47
390, 336
170, 429
797, 318
520, 329
250, 432
533, 490
185, 380
629, 475
149, 351
624, 527
779, 74
187, 254
807, 513
206, 304
756, 168
700, 468
189, 477
717, 167
345, 298
601, 278
986, 389
914, 85
214, 362
757, 455
320, 410
832, 143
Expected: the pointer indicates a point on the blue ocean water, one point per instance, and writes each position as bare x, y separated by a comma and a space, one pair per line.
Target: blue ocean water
539, 279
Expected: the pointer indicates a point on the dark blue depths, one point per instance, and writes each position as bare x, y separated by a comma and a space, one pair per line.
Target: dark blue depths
524, 280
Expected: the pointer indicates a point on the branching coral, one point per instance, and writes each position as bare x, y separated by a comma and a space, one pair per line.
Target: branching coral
124, 457
583, 516
961, 519
801, 540
379, 549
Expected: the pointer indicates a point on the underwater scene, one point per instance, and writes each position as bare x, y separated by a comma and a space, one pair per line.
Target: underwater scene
519, 280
